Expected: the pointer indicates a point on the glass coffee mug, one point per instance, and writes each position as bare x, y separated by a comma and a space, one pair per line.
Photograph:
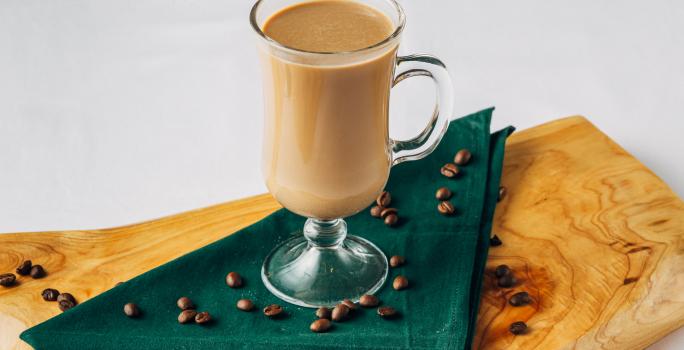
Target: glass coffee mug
327, 153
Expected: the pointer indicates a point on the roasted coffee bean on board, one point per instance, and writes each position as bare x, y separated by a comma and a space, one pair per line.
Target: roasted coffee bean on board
507, 280
495, 241
25, 268
65, 305
66, 296
50, 294
37, 271
518, 327
520, 299
7, 279
502, 193
501, 270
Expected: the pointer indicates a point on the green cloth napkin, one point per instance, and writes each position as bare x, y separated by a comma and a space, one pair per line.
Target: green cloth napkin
445, 262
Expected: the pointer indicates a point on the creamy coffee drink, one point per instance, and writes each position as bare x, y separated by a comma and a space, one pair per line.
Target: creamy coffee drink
326, 142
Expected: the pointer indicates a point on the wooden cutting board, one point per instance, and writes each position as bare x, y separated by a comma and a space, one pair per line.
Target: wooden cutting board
595, 237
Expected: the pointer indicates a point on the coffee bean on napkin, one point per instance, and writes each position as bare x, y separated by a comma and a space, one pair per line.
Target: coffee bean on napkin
234, 280
184, 303
397, 260
443, 194
245, 305
462, 157
400, 282
320, 325
131, 310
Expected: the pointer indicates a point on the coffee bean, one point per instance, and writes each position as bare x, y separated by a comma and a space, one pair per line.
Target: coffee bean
369, 300
501, 270
446, 208
449, 170
502, 193
67, 297
350, 304
520, 299
25, 268
462, 157
391, 219
320, 325
273, 310
518, 327
397, 260
187, 316
387, 312
384, 199
118, 284
323, 312
245, 305
65, 305
7, 279
131, 310
50, 294
340, 312
507, 280
37, 271
443, 194
234, 280
495, 241
388, 211
400, 282
376, 211
202, 317
184, 303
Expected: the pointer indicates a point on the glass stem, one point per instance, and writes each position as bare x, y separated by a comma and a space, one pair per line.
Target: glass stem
325, 233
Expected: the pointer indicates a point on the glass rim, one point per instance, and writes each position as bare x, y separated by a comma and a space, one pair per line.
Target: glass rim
395, 34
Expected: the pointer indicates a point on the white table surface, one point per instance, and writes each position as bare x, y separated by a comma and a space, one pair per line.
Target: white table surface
113, 112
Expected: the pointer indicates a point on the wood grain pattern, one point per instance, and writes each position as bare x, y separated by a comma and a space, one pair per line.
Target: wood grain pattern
595, 238
593, 235
87, 263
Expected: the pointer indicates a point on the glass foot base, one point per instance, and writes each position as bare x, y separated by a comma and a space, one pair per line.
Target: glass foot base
304, 274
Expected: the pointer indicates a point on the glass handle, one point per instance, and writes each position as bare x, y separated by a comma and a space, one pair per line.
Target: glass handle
428, 139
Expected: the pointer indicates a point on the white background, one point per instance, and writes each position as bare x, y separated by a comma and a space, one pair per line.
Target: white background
113, 112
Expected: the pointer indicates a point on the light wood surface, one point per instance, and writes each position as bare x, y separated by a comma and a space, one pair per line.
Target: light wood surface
593, 235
